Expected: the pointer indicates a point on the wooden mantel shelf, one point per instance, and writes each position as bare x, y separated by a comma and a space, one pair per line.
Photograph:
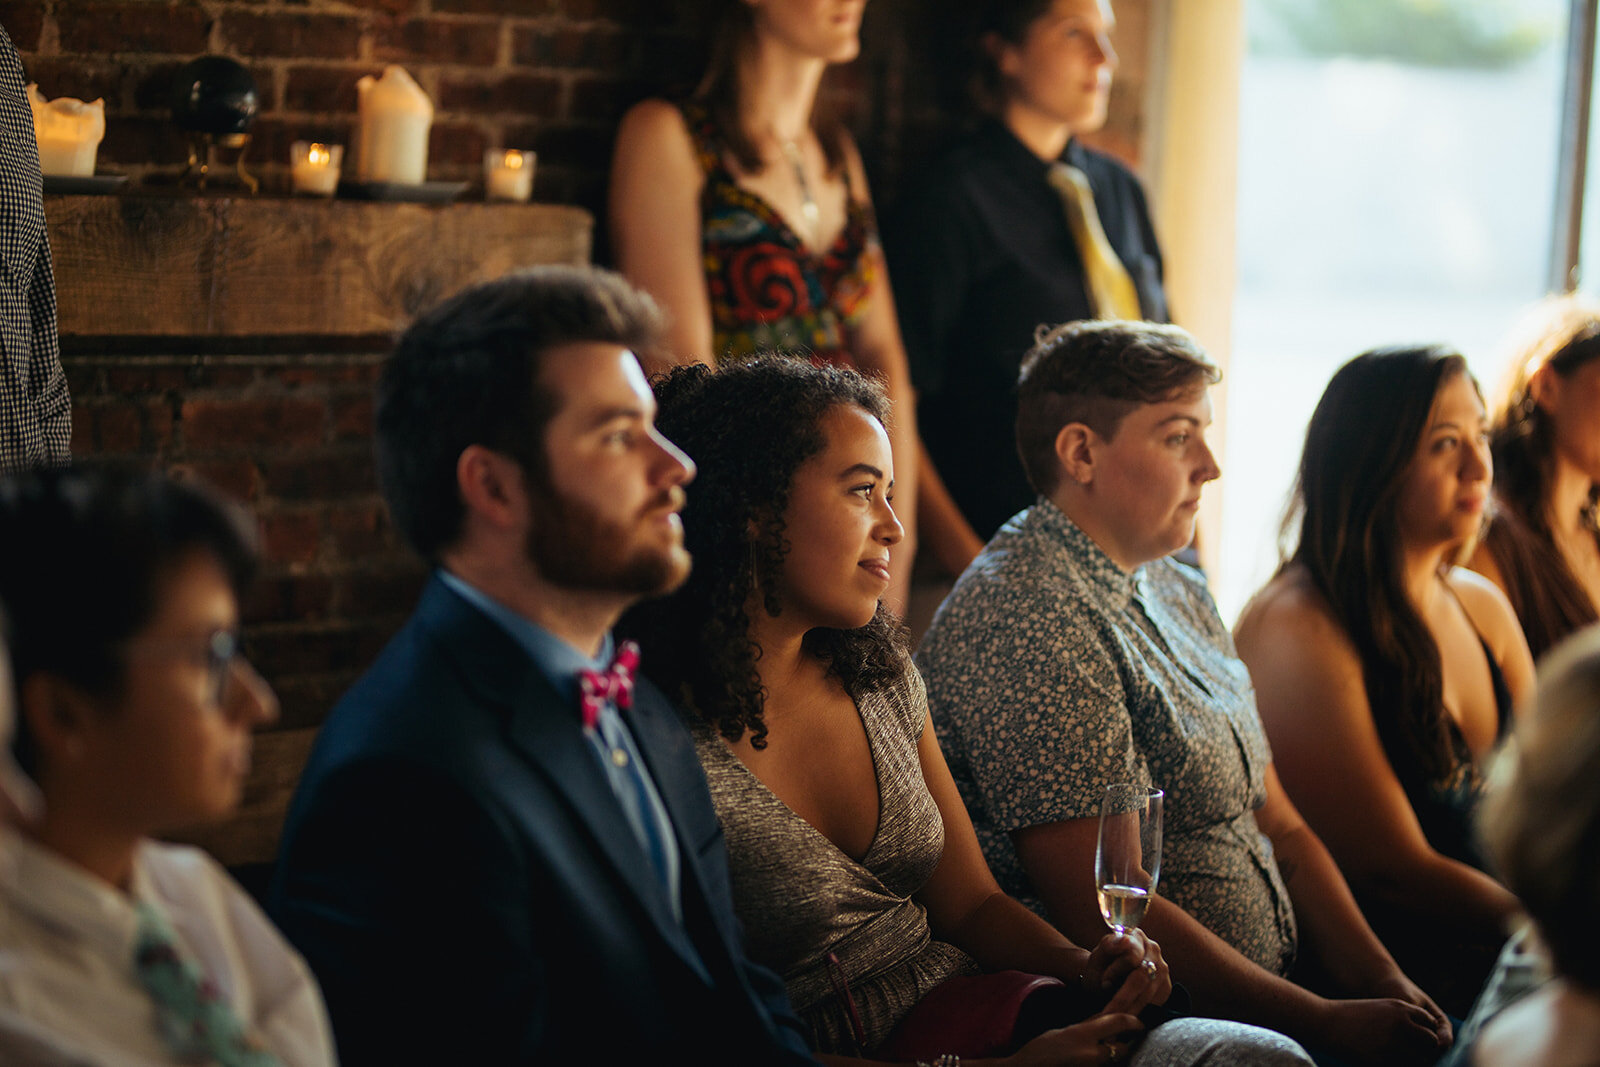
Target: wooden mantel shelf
130, 266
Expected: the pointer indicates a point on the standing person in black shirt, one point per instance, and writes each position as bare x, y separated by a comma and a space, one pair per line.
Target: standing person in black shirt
982, 253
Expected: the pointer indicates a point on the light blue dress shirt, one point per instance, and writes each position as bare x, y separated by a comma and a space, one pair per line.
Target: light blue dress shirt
610, 738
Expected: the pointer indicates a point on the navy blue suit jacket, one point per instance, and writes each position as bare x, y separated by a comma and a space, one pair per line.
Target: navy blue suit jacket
463, 881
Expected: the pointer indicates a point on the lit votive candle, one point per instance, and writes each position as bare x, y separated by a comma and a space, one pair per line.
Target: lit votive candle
508, 174
314, 168
69, 133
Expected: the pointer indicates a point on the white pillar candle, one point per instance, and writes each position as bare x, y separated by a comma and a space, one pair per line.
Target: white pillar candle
314, 168
508, 174
392, 138
69, 133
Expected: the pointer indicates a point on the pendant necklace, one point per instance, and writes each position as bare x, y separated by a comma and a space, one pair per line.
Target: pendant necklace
808, 203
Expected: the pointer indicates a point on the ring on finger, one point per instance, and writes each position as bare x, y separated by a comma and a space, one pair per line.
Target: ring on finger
1113, 1053
1149, 967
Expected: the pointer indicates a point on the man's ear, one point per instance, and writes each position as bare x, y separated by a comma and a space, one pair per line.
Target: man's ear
1076, 445
58, 714
491, 485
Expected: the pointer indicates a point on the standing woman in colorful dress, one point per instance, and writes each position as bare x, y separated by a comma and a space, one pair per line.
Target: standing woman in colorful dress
1542, 544
745, 213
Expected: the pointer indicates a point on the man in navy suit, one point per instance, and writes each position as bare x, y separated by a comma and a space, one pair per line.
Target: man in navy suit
502, 851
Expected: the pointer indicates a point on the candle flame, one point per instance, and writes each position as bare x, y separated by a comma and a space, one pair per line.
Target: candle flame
513, 159
318, 155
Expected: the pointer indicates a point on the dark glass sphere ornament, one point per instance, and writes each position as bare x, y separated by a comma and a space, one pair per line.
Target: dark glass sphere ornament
214, 101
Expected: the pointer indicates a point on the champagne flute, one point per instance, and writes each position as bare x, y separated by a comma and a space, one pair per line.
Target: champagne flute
1127, 856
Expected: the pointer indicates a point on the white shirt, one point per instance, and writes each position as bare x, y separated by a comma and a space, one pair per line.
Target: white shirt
66, 958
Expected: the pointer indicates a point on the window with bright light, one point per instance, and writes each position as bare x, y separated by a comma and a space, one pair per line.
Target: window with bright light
1396, 184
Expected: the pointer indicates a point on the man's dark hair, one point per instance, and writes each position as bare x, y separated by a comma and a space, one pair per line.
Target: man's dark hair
468, 373
1095, 372
86, 549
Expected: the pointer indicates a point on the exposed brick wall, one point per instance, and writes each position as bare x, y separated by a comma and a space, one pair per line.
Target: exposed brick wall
291, 435
552, 75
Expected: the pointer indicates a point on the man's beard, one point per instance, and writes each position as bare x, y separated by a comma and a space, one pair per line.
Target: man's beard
575, 548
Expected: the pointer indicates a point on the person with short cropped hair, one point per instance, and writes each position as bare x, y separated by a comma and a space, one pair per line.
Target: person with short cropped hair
136, 712
1074, 653
502, 850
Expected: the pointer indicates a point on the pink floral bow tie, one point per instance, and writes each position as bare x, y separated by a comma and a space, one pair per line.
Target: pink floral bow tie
614, 684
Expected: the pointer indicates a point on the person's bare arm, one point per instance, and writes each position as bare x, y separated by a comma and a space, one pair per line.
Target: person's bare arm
945, 531
1311, 693
656, 184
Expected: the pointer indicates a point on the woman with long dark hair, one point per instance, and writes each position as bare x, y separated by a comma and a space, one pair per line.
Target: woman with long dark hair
855, 869
1383, 672
745, 211
1542, 544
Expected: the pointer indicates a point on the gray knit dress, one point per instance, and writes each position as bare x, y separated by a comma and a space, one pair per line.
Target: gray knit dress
801, 898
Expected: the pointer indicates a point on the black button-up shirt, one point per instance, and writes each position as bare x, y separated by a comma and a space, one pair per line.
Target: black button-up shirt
980, 256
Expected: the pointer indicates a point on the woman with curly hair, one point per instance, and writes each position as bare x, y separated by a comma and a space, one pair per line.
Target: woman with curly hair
855, 869
1542, 544
1383, 672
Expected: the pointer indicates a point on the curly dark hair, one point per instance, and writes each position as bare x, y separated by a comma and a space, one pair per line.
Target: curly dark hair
749, 427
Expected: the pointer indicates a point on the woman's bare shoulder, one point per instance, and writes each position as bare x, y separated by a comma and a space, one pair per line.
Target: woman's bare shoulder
653, 122
1484, 601
1289, 612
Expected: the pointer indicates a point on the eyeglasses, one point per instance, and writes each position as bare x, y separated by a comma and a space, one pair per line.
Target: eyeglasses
221, 650
217, 655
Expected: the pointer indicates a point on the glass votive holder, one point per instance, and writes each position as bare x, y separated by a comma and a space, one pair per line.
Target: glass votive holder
314, 167
508, 174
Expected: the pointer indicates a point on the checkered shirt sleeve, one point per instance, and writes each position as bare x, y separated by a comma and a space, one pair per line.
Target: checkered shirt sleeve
35, 410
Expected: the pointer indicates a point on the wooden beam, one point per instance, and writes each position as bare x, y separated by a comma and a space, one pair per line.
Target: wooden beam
232, 267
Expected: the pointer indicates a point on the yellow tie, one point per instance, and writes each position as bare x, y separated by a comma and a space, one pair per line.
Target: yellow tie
1112, 294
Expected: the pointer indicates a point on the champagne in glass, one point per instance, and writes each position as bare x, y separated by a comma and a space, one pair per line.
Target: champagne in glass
1127, 857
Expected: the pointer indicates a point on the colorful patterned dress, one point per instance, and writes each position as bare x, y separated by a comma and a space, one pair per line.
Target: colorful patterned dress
768, 291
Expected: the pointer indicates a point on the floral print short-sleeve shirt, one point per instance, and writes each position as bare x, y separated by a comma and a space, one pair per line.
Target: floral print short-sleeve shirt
1051, 672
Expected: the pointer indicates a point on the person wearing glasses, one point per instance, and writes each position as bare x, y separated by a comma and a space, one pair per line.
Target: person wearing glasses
135, 715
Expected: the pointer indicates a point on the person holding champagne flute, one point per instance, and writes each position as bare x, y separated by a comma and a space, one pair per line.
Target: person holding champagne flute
1111, 664
854, 868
